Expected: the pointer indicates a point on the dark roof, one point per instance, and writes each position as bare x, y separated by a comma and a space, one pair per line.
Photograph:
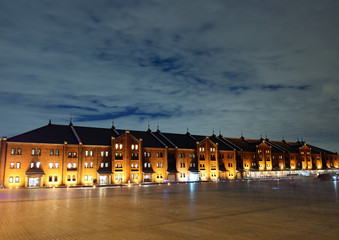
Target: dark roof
148, 139
222, 167
185, 141
222, 145
243, 144
148, 170
104, 171
95, 136
50, 133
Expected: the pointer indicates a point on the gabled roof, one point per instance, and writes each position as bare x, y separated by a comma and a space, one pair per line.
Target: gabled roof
50, 133
180, 140
148, 140
243, 143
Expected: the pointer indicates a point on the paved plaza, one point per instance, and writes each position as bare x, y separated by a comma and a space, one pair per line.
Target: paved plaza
301, 208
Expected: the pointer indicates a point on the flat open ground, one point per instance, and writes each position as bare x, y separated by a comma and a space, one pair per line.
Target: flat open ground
287, 209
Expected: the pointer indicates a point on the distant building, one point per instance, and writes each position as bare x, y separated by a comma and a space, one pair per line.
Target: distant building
67, 155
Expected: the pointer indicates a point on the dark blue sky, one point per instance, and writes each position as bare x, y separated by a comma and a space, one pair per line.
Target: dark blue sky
260, 67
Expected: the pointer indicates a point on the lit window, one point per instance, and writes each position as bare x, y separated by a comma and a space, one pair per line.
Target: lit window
90, 178
149, 165
56, 165
91, 153
116, 146
69, 165
136, 165
86, 165
38, 152
91, 164
10, 179
149, 154
18, 165
145, 154
32, 164
161, 165
157, 164
132, 165
51, 152
50, 165
120, 165
106, 164
102, 153
69, 154
17, 179
136, 176
74, 154
38, 165
86, 153
57, 152
12, 165
74, 165
19, 151
106, 153
136, 147
132, 176
33, 151
13, 151
101, 165
145, 165
116, 177
86, 177
120, 146
132, 147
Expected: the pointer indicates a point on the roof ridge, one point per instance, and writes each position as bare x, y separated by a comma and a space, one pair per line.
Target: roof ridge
232, 144
75, 134
167, 139
158, 139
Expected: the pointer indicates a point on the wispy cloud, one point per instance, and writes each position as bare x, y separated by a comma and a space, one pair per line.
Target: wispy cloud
261, 67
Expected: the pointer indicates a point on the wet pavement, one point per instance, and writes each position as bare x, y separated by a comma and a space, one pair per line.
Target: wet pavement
303, 208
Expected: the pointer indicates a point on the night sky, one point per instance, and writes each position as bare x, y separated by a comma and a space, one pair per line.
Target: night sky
257, 67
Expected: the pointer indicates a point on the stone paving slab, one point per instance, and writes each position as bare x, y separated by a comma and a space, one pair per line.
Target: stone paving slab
298, 209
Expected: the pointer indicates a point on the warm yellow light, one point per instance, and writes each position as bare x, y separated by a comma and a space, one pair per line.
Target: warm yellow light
93, 186
129, 185
139, 185
168, 183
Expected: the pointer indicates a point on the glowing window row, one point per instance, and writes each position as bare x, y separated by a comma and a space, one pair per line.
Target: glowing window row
18, 165
14, 152
17, 179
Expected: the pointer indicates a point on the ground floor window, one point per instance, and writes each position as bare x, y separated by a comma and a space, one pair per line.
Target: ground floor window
17, 179
10, 179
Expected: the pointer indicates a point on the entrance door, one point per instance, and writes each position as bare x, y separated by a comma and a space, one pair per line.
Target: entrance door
103, 180
34, 182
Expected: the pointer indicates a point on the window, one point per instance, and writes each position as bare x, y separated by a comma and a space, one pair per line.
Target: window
19, 151
33, 152
17, 179
69, 178
91, 153
157, 154
106, 165
132, 165
86, 178
32, 164
116, 177
38, 165
86, 165
86, 153
57, 152
69, 154
116, 146
91, 164
56, 165
136, 176
69, 165
50, 179
120, 146
50, 165
145, 154
149, 154
55, 178
73, 177
38, 152
51, 152
136, 165
74, 154
10, 179
132, 146
102, 153
18, 165
120, 165
161, 165
230, 156
132, 173
90, 178
106, 153
157, 165
13, 151
102, 165
136, 148
74, 165
145, 165
230, 165
12, 165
